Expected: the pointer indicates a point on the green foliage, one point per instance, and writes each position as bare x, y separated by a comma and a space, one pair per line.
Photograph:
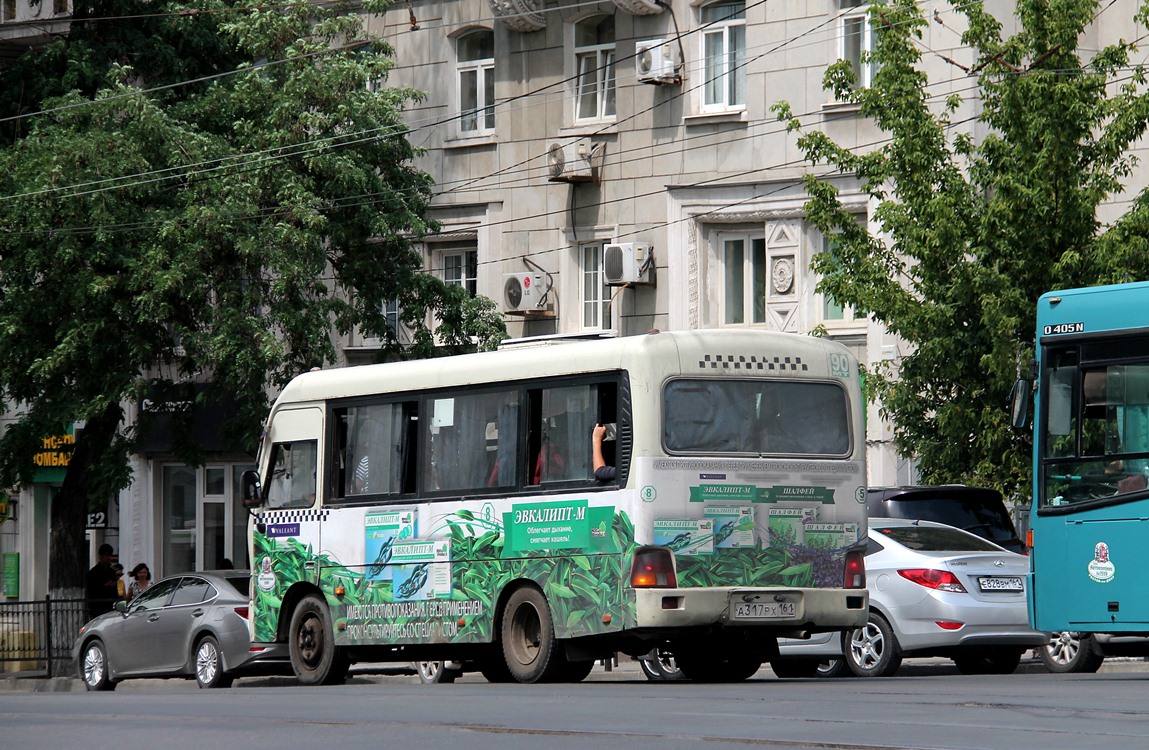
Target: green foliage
155, 231
974, 229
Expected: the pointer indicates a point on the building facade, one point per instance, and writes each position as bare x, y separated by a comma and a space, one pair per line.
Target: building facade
601, 168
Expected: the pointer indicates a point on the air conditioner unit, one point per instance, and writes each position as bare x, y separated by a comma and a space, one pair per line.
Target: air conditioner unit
522, 292
655, 62
574, 162
628, 263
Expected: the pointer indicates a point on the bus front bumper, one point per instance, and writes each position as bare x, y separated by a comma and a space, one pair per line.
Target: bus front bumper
782, 608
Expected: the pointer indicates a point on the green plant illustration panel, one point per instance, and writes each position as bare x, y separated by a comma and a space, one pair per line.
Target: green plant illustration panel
584, 584
452, 598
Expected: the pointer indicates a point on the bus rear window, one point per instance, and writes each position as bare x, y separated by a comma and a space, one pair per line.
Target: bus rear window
759, 417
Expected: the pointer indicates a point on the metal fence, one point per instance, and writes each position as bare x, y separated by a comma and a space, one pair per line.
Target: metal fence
36, 637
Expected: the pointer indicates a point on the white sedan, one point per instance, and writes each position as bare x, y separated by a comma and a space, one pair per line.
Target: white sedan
934, 591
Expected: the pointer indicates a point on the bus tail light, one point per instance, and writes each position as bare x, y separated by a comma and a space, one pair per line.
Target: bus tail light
855, 570
653, 568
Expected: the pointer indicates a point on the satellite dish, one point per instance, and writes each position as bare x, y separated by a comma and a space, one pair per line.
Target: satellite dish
556, 160
513, 292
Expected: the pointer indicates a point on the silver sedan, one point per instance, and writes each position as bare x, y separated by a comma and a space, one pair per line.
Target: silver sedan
188, 625
934, 591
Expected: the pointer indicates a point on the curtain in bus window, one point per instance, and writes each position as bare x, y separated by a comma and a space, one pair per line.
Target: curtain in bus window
568, 419
465, 439
375, 450
507, 449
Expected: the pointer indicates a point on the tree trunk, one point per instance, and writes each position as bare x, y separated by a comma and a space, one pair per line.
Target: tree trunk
67, 553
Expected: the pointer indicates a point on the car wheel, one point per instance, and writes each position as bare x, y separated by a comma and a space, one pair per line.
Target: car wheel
659, 665
528, 637
833, 668
988, 661
314, 657
1070, 651
794, 668
94, 667
872, 650
432, 672
209, 664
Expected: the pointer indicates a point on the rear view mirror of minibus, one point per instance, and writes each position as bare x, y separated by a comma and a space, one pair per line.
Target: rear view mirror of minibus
252, 494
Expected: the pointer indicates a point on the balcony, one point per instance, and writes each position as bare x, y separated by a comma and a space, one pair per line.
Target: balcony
30, 23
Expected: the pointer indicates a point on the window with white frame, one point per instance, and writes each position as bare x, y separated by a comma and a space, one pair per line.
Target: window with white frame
834, 311
723, 55
743, 257
594, 68
461, 267
857, 39
391, 314
475, 52
595, 293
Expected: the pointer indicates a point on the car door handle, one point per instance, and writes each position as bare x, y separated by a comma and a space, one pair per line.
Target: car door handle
197, 612
153, 618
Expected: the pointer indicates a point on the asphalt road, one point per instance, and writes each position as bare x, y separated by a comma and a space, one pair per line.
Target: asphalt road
928, 706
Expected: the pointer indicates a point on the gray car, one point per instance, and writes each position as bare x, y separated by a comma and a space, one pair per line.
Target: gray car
934, 591
188, 625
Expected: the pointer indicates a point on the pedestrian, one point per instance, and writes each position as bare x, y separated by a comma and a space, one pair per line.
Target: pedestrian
121, 593
101, 583
141, 581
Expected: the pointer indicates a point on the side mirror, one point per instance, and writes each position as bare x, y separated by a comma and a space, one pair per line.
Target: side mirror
252, 492
1021, 400
120, 606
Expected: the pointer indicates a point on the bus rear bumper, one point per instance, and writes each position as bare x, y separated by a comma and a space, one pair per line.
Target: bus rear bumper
782, 608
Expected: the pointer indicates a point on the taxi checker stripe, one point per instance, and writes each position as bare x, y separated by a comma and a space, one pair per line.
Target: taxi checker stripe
294, 516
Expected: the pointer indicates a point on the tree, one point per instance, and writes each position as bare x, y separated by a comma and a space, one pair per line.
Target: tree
191, 191
973, 230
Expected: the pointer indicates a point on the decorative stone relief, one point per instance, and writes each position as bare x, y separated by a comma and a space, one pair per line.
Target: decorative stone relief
519, 15
782, 275
783, 318
639, 7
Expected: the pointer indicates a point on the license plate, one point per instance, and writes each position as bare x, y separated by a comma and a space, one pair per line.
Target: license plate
760, 610
1000, 583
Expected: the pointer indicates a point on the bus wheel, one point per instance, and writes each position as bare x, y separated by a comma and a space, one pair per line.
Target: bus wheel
712, 665
314, 657
794, 668
573, 671
1070, 652
529, 637
493, 667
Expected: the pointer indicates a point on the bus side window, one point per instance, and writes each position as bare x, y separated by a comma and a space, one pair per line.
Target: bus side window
470, 446
292, 482
377, 456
